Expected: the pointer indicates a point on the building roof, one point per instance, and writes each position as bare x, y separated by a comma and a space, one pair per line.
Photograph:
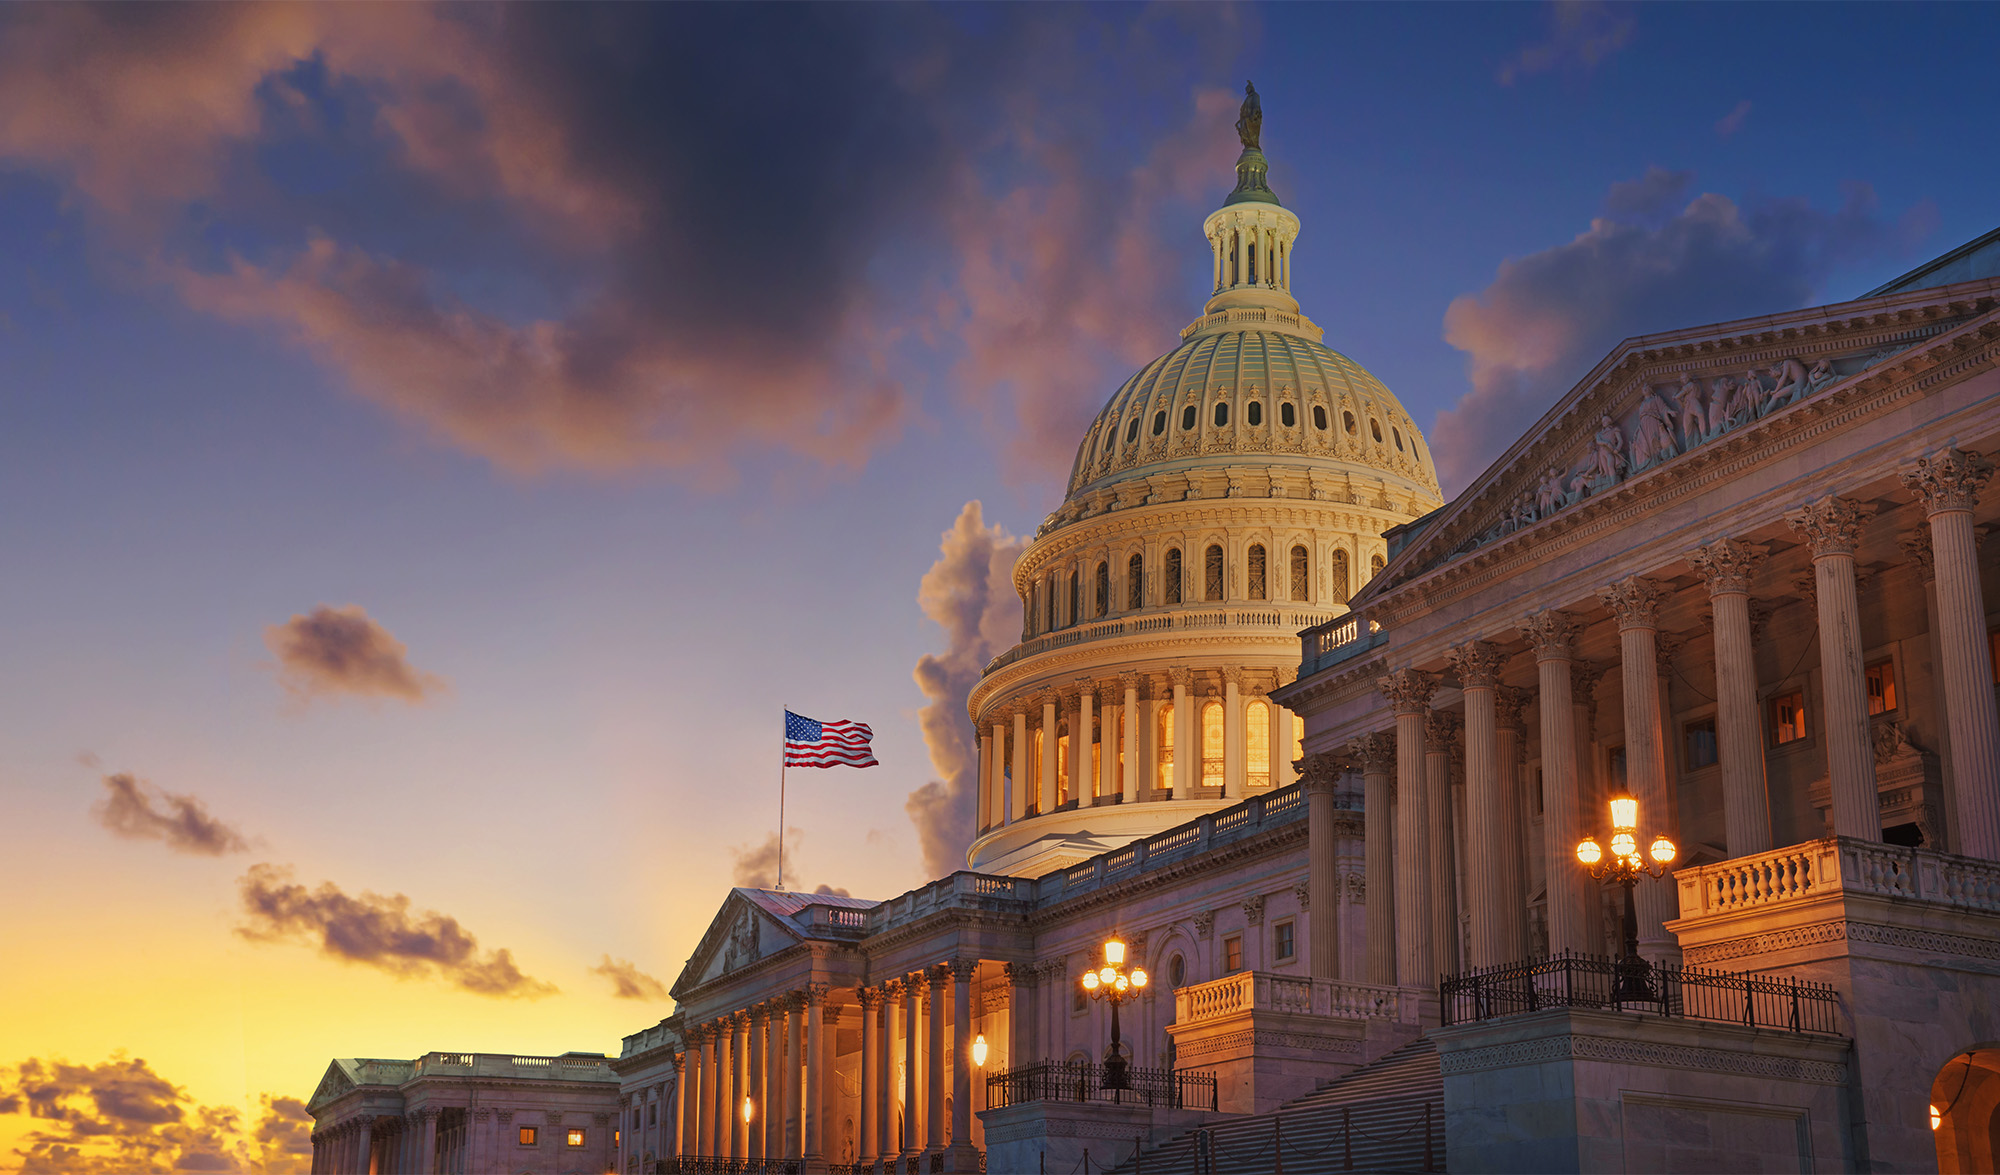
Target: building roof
783, 903
1977, 258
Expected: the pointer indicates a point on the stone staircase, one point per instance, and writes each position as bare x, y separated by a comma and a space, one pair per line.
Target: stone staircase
1371, 1120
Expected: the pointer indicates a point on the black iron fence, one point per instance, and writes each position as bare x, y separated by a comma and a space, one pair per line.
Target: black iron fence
1572, 980
1083, 1081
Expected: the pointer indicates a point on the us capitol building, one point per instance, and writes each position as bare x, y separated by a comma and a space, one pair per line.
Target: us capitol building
1637, 809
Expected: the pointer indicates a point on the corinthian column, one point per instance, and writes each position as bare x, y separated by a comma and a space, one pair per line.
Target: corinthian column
1948, 483
1234, 765
812, 1116
962, 1156
1080, 786
1133, 724
1186, 757
1409, 693
912, 1104
1635, 603
1513, 834
1442, 730
795, 1005
774, 1079
1726, 566
1477, 664
739, 1083
1833, 527
1552, 636
1322, 777
753, 1130
866, 1144
1019, 804
706, 1125
934, 1067
1377, 753
1051, 736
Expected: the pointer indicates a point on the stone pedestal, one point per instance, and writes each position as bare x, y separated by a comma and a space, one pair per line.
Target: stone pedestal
1053, 1136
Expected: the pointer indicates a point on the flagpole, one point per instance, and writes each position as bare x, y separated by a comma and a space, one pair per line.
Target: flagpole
781, 799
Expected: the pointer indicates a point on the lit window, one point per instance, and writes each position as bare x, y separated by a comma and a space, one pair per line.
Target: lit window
1035, 776
1256, 569
1257, 741
617, 1139
1298, 738
1788, 717
1374, 566
1301, 574
1211, 745
1062, 770
1287, 416
1170, 584
573, 1138
1232, 953
1284, 940
1253, 413
1166, 756
1881, 687
527, 1136
1698, 743
1212, 573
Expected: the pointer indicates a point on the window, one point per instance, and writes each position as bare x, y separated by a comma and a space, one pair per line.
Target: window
1166, 755
1159, 422
1050, 597
573, 1138
1398, 434
1232, 954
1257, 741
1212, 577
1187, 417
1256, 568
617, 1139
1337, 572
1075, 599
1881, 686
1286, 415
1132, 430
1374, 566
1319, 417
1375, 427
1301, 574
1062, 770
1698, 744
1177, 971
527, 1136
1347, 422
1103, 588
1170, 584
1298, 738
1211, 744
1788, 717
1284, 941
1221, 415
1135, 582
1253, 413
1035, 776
1254, 250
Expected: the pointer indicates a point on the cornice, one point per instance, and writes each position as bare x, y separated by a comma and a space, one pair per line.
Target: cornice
1113, 655
1333, 684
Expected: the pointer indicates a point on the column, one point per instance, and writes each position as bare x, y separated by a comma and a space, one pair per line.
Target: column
739, 1084
1477, 664
1284, 771
427, 1139
1109, 779
1441, 736
1635, 604
989, 808
1377, 753
1215, 252
1513, 834
1185, 756
364, 1145
1020, 800
794, 1055
1409, 693
934, 1066
1233, 766
1051, 736
701, 1137
865, 1145
811, 1152
1020, 1014
1833, 527
1726, 567
964, 1157
912, 1107
886, 1143
1134, 722
753, 1084
1322, 778
1948, 482
1242, 251
1081, 785
725, 1033
1590, 810
774, 1079
996, 773
1917, 545
1552, 635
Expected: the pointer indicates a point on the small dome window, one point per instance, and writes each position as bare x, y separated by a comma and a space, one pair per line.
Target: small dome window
1110, 435
1254, 413
1221, 415
1375, 426
1398, 434
1347, 422
1159, 422
1319, 417
1187, 417
1288, 416
1132, 431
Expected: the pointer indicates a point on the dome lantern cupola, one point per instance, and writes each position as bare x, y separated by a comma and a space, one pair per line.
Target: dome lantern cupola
1250, 240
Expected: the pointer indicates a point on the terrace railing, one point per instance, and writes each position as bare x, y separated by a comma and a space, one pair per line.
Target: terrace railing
1592, 981
1083, 1081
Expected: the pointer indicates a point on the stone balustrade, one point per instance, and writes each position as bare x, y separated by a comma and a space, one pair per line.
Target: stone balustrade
564, 1068
1336, 640
1267, 991
1823, 868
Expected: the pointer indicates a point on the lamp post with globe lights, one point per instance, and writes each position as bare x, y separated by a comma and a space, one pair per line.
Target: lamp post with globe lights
1624, 866
1113, 984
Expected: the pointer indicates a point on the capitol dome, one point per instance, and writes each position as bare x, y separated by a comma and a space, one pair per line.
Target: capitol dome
1230, 494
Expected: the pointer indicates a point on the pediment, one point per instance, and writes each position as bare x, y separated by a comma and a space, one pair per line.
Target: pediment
740, 934
335, 1083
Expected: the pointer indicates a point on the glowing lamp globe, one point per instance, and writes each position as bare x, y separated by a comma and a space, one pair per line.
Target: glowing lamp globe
1107, 974
979, 1050
1138, 978
1090, 981
1589, 851
1663, 850
1624, 844
749, 1110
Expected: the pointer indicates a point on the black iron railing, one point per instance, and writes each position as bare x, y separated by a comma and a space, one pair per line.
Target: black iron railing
1591, 981
1082, 1081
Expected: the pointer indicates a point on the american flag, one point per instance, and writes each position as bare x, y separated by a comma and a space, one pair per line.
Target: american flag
826, 744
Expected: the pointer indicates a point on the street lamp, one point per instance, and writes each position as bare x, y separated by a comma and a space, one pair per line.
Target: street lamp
749, 1111
1111, 982
1624, 867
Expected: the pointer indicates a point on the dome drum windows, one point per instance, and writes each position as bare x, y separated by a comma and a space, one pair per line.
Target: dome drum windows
1287, 415
1222, 415
1253, 413
1187, 417
1337, 573
1103, 588
1170, 583
1319, 417
1255, 566
1213, 742
1212, 574
1135, 583
1301, 574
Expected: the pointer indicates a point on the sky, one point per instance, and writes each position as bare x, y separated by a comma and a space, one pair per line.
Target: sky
437, 443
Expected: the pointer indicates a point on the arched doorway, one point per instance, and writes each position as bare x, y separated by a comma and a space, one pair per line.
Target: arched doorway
1965, 1111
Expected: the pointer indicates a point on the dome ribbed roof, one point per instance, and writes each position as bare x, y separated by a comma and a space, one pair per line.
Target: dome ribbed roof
1339, 416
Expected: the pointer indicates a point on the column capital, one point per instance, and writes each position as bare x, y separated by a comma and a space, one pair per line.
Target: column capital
1508, 701
1583, 677
1084, 685
1231, 675
1377, 752
1019, 974
963, 970
1917, 545
1441, 730
1050, 696
1253, 910
1319, 773
1408, 690
678, 1058
1551, 633
1287, 674
1132, 681
1726, 565
870, 998
1477, 664
1832, 525
1948, 479
830, 1013
1179, 676
1634, 601
938, 974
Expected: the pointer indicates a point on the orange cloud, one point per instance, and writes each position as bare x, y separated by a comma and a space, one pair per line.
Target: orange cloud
628, 982
333, 651
135, 809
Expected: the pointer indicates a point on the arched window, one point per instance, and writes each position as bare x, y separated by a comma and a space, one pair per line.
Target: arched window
1135, 583
1337, 572
1374, 566
1256, 569
1375, 427
1235, 251
1028, 613
1075, 599
1253, 414
1159, 422
1132, 431
1398, 434
1212, 574
1211, 744
1051, 598
1301, 574
1187, 417
1257, 742
1347, 422
1165, 757
1287, 415
1221, 415
1035, 773
1103, 588
1062, 769
1298, 738
1256, 247
1170, 580
1319, 417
